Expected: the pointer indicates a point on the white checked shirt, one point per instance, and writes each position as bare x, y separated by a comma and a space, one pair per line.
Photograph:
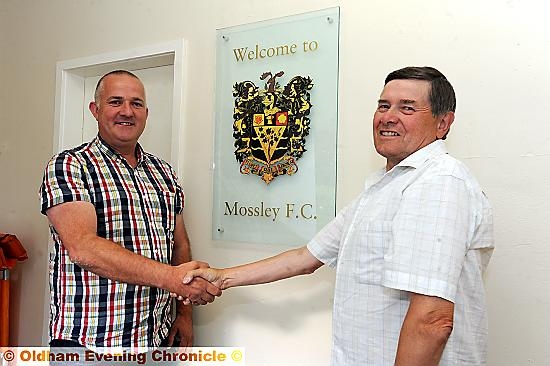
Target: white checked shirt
425, 227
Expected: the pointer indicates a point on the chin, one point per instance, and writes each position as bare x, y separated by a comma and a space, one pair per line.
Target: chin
383, 151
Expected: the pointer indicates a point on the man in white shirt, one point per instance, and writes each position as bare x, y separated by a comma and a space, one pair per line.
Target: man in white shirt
410, 251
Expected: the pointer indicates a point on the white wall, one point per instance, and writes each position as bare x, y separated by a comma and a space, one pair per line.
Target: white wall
496, 54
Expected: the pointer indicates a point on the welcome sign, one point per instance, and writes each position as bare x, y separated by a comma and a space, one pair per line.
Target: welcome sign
276, 128
258, 52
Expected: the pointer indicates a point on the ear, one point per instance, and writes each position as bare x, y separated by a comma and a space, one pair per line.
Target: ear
444, 124
93, 108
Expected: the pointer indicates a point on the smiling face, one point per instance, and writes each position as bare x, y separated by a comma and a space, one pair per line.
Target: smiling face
120, 112
403, 122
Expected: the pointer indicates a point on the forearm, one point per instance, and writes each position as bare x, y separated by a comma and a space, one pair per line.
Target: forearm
287, 264
425, 331
75, 224
110, 260
180, 255
182, 247
418, 348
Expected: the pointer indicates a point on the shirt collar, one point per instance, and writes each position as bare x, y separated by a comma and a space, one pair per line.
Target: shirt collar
112, 153
415, 160
419, 157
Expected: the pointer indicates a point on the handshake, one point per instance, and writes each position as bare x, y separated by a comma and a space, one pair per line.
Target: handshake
198, 283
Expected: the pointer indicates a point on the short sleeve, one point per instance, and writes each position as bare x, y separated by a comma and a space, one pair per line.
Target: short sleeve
430, 236
325, 246
63, 181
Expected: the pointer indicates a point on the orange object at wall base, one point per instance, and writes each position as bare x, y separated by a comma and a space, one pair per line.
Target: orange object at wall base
4, 307
11, 251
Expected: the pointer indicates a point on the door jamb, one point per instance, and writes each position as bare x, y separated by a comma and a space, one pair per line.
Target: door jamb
70, 78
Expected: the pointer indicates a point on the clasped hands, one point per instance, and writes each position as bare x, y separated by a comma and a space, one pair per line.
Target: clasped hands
198, 283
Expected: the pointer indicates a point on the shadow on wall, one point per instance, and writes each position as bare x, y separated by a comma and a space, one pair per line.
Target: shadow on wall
286, 304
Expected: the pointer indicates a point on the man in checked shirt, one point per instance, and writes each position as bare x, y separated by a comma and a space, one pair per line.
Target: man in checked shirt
120, 243
410, 251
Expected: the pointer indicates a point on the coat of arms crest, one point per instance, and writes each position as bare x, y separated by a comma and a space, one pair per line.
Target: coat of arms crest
270, 125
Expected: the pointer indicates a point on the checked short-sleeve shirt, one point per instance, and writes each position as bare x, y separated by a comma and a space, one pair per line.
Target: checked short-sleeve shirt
425, 227
135, 208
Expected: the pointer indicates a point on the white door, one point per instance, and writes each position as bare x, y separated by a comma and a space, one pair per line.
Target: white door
159, 86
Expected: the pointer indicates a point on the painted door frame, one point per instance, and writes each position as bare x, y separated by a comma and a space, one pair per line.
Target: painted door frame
69, 103
70, 78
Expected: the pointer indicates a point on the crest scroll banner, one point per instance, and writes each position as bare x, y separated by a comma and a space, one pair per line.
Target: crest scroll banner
276, 129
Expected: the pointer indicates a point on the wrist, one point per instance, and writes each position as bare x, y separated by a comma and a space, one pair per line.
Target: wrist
166, 277
182, 309
225, 279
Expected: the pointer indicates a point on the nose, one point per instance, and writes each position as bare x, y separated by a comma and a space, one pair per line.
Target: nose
388, 116
126, 109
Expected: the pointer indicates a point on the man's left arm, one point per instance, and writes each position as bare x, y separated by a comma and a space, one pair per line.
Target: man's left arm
425, 331
428, 263
181, 333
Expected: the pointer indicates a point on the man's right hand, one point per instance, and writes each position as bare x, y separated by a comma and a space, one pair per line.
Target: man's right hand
212, 275
200, 291
197, 277
294, 262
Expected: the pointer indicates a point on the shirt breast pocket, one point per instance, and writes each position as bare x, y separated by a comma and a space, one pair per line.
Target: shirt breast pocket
372, 243
164, 223
170, 199
164, 210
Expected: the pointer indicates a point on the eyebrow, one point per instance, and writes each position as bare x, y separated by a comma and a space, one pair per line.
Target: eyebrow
116, 97
401, 101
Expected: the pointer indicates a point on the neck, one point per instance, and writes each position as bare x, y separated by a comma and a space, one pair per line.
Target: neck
131, 158
127, 151
390, 165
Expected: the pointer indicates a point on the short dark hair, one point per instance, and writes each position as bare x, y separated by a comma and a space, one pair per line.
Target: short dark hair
99, 86
441, 96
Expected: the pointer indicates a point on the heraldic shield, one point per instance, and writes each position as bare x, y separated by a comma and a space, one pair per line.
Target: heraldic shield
270, 125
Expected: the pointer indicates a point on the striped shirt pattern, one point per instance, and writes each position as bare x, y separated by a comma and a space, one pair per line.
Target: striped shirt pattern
136, 208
